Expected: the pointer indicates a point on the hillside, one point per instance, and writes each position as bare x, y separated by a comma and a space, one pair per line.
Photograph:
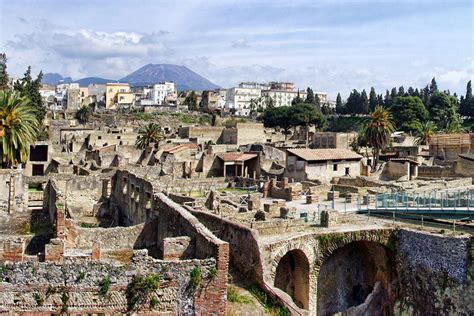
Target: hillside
185, 78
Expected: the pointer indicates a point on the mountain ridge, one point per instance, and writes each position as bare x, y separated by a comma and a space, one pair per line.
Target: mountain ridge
183, 77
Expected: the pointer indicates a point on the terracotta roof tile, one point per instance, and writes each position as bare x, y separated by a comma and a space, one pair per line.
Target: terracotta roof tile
324, 154
236, 156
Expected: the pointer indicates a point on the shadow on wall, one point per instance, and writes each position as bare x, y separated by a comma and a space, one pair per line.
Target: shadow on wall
349, 274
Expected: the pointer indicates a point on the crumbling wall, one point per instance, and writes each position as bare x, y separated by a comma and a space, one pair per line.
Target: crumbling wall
244, 250
13, 196
435, 273
74, 286
436, 171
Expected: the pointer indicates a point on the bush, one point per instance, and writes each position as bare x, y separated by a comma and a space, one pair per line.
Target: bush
105, 286
139, 289
212, 273
195, 277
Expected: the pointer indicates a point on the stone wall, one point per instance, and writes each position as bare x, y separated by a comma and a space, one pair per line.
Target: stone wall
436, 171
13, 195
436, 273
74, 286
137, 201
244, 250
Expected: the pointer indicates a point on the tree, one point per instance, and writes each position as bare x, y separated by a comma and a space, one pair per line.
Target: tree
339, 105
401, 91
297, 100
309, 95
277, 117
29, 88
84, 113
378, 132
373, 100
409, 113
149, 135
3, 72
467, 103
364, 103
191, 101
304, 114
443, 111
353, 104
317, 101
424, 134
18, 127
433, 86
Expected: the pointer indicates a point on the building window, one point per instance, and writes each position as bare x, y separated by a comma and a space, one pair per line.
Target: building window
347, 171
334, 167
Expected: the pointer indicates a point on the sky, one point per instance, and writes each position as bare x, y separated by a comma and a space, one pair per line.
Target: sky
331, 46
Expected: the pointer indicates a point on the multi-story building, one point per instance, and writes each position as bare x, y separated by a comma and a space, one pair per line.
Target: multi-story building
117, 94
213, 99
280, 97
162, 93
241, 100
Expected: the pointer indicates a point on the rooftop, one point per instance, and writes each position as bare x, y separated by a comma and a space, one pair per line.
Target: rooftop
236, 156
324, 154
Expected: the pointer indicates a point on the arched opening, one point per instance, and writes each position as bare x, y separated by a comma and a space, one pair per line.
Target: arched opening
350, 274
292, 276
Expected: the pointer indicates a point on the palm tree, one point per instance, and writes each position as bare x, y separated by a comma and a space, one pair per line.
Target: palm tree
83, 114
378, 132
424, 134
19, 127
148, 135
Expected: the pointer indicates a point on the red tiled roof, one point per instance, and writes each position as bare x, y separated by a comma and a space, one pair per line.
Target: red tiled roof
181, 147
236, 156
324, 154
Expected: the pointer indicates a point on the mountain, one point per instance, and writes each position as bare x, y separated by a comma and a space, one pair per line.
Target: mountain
84, 82
184, 78
54, 79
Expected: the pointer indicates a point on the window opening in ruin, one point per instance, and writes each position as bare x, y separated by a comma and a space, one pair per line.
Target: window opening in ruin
39, 153
334, 167
37, 170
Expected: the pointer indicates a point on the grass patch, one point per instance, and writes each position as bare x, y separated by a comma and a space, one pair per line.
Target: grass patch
271, 306
89, 225
235, 190
233, 296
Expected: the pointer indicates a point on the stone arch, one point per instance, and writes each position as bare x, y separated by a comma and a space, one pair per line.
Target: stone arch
299, 255
350, 267
292, 276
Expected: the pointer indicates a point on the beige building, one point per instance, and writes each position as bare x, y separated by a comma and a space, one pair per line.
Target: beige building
333, 140
321, 164
117, 94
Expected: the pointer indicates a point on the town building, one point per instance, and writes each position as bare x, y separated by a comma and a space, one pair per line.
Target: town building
162, 93
333, 140
73, 97
118, 94
322, 164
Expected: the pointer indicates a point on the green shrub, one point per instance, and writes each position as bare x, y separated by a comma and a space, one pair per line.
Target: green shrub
39, 300
195, 276
212, 273
153, 302
105, 286
64, 301
139, 289
81, 276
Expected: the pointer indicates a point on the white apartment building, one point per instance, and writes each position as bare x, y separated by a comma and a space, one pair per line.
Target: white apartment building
162, 93
281, 97
239, 99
